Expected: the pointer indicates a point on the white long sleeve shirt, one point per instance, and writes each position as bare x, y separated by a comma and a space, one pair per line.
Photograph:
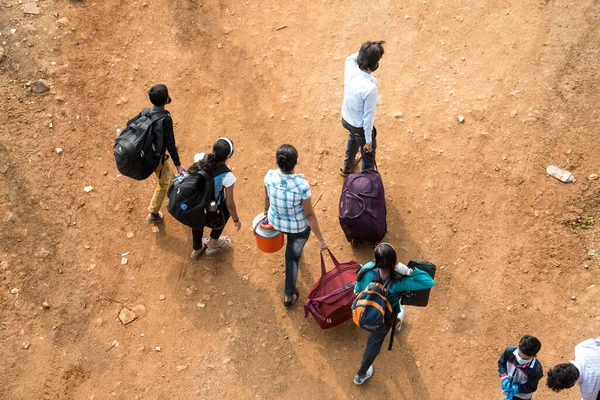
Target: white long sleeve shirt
587, 361
360, 97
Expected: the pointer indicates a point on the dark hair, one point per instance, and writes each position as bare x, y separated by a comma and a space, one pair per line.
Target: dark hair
159, 95
562, 376
530, 345
369, 55
220, 153
287, 157
386, 259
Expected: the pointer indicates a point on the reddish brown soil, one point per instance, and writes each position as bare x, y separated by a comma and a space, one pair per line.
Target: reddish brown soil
472, 197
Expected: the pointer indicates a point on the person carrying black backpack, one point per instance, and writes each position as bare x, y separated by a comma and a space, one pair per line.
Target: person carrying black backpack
162, 129
214, 164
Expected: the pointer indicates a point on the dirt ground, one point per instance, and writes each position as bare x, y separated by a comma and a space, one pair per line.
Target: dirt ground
473, 198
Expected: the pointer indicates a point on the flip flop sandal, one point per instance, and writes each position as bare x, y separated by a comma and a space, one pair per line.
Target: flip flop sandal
200, 251
288, 304
154, 218
225, 243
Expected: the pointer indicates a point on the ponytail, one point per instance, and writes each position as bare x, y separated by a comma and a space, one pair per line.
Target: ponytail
206, 164
222, 149
386, 259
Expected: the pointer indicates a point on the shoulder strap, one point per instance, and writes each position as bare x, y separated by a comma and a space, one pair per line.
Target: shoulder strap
158, 115
204, 174
220, 169
154, 115
364, 270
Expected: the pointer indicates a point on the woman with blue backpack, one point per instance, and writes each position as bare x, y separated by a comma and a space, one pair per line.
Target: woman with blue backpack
215, 165
380, 286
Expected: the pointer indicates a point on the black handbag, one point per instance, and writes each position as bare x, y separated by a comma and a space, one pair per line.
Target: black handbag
419, 298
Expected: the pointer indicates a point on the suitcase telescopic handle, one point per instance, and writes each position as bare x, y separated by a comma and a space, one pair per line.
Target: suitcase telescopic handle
335, 262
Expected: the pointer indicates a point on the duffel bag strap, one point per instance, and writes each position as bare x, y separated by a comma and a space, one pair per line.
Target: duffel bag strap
335, 262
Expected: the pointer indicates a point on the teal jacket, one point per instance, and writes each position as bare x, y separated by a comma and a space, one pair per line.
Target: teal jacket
418, 280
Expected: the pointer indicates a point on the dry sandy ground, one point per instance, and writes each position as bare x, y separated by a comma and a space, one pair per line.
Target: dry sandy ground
471, 197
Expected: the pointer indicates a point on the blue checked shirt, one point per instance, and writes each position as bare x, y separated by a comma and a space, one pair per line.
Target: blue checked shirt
286, 192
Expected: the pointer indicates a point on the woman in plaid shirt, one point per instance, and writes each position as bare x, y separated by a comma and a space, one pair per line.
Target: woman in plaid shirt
289, 209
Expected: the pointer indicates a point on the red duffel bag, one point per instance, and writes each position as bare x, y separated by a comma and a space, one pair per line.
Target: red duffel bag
330, 299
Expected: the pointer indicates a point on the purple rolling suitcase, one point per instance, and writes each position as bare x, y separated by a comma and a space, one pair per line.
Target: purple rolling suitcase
362, 210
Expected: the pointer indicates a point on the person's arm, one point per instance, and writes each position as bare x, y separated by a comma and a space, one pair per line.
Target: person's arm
230, 202
363, 280
169, 137
369, 115
417, 280
351, 59
532, 381
502, 371
267, 201
313, 223
588, 391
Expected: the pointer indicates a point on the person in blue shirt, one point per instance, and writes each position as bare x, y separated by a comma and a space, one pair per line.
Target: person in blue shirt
404, 279
288, 206
358, 109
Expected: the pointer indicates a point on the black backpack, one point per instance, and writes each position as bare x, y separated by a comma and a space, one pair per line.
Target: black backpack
190, 198
138, 150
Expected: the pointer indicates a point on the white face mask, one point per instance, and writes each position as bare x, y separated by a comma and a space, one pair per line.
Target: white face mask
520, 360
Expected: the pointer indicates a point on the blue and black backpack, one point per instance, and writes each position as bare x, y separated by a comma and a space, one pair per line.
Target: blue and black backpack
190, 198
371, 308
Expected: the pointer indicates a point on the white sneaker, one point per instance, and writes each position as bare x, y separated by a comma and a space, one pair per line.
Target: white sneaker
359, 381
401, 316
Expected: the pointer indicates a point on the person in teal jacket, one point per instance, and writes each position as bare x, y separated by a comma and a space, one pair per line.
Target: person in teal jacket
404, 279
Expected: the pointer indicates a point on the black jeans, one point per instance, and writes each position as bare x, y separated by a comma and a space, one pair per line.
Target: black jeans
214, 234
356, 141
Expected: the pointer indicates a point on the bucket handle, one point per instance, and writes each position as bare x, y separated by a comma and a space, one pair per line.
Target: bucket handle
335, 261
258, 224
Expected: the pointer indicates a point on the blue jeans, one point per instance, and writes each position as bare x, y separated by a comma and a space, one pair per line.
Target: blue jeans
374, 343
293, 251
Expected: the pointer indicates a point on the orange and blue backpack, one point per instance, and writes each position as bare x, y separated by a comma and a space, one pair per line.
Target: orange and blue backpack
371, 308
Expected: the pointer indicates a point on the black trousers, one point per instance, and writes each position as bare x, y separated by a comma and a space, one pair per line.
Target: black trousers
214, 233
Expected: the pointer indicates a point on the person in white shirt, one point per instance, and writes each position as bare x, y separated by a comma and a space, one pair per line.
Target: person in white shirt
224, 180
585, 370
358, 109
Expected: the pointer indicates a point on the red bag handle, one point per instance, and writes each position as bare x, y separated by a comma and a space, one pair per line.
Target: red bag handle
335, 262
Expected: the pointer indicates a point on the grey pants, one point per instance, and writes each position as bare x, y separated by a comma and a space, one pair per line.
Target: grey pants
356, 141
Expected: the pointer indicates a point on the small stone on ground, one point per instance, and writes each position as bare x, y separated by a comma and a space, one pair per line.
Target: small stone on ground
31, 8
127, 316
139, 310
40, 86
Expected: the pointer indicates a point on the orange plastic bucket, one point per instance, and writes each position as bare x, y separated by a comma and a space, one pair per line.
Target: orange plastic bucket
268, 239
